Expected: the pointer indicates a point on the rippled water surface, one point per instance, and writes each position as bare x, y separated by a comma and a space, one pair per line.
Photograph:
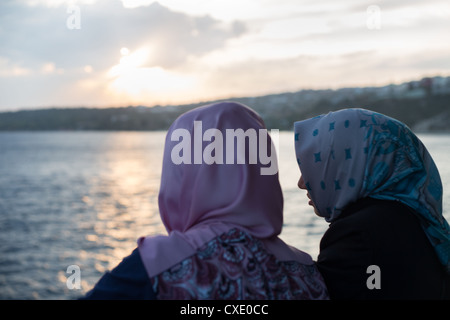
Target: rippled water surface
83, 198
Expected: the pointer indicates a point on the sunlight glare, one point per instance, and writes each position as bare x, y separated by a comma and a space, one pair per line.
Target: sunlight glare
124, 51
133, 80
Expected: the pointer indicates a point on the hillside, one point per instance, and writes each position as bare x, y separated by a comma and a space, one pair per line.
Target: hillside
424, 105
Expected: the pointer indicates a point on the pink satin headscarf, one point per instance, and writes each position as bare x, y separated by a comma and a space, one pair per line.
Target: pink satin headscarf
198, 202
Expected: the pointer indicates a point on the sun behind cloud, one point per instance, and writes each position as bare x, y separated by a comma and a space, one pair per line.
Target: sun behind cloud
133, 80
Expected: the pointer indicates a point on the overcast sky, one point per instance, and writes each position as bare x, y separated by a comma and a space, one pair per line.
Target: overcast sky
116, 53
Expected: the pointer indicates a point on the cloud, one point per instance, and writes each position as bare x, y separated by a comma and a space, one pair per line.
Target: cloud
7, 69
33, 35
291, 74
57, 65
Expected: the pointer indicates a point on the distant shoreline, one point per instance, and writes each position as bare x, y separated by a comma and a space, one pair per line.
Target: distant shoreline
424, 105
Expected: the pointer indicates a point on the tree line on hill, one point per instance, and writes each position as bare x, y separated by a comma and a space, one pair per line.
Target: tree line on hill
425, 111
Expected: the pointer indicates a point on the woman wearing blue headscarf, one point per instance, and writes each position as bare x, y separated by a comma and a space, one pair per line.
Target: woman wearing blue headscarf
375, 182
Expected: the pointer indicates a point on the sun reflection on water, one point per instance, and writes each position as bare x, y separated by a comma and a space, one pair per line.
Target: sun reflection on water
123, 197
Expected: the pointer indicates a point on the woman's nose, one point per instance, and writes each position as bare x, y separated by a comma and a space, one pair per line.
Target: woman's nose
301, 183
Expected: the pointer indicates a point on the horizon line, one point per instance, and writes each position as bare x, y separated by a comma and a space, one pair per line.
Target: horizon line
218, 99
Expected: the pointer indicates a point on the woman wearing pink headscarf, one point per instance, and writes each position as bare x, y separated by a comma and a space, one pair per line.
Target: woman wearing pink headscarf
223, 219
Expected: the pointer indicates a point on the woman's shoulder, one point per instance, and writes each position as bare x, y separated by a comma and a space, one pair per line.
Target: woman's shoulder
374, 223
236, 265
386, 234
389, 230
370, 213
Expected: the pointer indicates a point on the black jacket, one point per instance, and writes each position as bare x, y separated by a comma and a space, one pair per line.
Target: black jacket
386, 234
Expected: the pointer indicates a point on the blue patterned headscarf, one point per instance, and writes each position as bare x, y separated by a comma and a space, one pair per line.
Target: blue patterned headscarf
356, 153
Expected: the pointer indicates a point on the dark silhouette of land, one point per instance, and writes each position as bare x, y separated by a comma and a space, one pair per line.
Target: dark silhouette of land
424, 105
